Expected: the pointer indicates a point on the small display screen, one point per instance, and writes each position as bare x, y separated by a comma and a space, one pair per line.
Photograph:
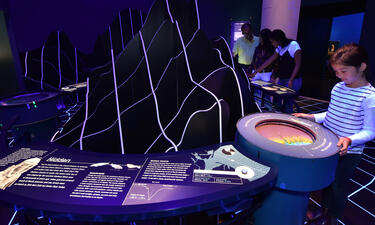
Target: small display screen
285, 133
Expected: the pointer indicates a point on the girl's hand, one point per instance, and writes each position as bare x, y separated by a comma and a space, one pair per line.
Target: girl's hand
344, 143
305, 116
274, 79
253, 74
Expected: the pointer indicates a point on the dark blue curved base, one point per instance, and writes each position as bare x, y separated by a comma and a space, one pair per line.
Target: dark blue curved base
282, 207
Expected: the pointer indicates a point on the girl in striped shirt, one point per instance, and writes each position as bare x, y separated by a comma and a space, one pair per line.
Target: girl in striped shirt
350, 115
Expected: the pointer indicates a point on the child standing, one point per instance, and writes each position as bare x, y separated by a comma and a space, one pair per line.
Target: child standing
350, 115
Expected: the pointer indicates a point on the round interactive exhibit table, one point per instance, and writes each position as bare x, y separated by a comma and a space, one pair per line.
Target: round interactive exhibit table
305, 153
34, 113
60, 182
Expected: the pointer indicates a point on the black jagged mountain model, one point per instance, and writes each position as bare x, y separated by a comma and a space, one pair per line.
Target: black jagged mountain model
174, 91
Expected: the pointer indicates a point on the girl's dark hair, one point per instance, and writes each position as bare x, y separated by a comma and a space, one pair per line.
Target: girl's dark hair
265, 35
350, 55
279, 36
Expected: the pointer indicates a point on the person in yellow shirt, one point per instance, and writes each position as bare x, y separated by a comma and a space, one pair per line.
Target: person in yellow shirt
245, 46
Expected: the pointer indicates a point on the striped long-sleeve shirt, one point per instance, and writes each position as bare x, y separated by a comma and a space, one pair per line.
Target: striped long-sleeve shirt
351, 113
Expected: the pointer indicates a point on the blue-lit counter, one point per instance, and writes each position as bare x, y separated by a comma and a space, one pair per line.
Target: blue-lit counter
31, 114
271, 89
60, 182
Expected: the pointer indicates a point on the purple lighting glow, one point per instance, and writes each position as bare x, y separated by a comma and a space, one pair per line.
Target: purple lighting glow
27, 98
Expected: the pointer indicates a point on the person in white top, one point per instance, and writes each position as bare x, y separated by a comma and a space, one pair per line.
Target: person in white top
245, 46
286, 72
350, 115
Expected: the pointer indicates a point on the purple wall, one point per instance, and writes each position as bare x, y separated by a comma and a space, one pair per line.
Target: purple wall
3, 4
82, 20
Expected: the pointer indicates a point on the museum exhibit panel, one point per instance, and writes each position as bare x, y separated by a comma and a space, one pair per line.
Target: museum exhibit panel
164, 128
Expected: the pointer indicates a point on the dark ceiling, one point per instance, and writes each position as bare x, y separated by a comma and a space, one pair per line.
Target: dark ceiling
331, 8
309, 3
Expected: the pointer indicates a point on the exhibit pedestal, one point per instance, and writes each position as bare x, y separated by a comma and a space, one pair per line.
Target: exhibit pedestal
282, 205
304, 152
